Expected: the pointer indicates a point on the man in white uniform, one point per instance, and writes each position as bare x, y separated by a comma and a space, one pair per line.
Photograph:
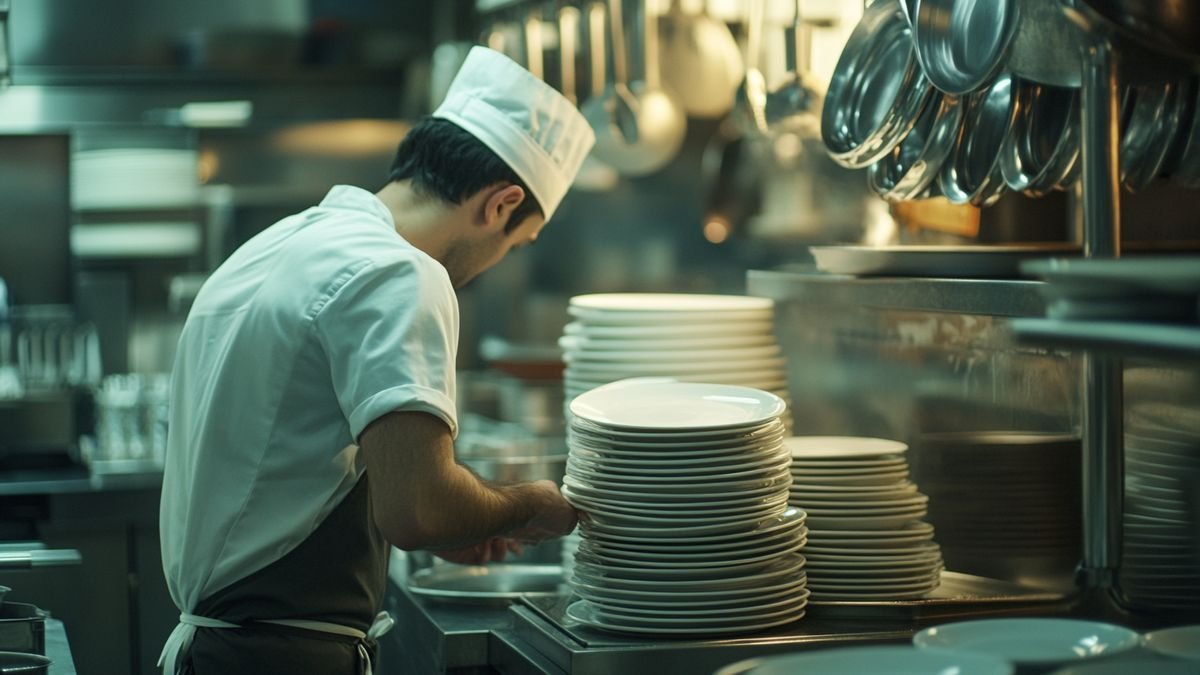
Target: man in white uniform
312, 417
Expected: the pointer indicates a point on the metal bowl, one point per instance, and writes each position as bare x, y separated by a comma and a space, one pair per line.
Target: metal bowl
973, 174
877, 90
963, 44
1042, 152
486, 584
912, 166
1147, 139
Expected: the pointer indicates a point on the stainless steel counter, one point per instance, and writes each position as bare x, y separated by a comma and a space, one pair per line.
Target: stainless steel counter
58, 650
73, 480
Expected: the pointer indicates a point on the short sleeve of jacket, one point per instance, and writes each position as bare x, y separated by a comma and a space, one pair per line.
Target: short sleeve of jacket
390, 332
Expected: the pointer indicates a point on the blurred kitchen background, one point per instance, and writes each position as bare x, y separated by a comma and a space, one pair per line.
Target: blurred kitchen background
142, 141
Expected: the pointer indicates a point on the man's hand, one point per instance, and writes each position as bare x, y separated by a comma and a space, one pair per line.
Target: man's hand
554, 516
495, 549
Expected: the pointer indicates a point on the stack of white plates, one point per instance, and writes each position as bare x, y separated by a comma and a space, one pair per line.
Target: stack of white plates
686, 528
867, 541
1161, 555
721, 339
134, 178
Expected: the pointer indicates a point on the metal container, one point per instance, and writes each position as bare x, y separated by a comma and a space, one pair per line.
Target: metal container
22, 629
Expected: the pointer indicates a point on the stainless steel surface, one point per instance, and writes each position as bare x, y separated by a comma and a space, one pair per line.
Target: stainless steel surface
1167, 28
1047, 47
1101, 96
877, 90
994, 297
973, 172
496, 585
433, 637
58, 649
913, 166
962, 44
580, 651
984, 261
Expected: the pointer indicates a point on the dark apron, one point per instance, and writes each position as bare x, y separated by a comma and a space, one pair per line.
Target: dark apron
337, 575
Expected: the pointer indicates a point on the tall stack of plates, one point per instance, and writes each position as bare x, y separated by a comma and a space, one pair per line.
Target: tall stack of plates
1161, 554
866, 540
686, 527
720, 339
134, 178
1005, 504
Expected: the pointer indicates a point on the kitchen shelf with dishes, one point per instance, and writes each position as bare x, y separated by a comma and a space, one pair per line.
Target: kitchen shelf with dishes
1087, 96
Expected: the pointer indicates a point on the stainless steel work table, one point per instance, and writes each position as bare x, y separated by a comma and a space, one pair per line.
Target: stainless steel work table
532, 636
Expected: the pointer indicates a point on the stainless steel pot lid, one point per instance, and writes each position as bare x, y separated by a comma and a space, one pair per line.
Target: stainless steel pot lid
912, 166
877, 91
25, 664
1042, 152
963, 44
973, 173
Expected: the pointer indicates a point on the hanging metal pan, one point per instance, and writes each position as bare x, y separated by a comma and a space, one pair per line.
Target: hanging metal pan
912, 166
1042, 152
877, 90
963, 44
973, 174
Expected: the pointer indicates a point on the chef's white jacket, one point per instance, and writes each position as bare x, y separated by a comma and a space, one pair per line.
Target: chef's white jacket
314, 328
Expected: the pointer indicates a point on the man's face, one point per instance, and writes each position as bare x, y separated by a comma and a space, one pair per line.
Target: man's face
479, 250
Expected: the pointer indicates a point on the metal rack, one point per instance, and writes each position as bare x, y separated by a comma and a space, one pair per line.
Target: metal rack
1110, 55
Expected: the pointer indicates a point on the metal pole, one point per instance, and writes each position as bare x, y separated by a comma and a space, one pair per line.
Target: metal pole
1101, 164
1103, 460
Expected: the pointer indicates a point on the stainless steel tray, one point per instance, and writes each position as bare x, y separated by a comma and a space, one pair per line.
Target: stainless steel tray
486, 584
987, 262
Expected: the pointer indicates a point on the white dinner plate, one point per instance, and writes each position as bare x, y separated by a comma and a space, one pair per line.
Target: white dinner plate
853, 553
818, 473
584, 613
882, 478
648, 318
899, 539
784, 528
671, 331
918, 529
610, 344
922, 583
769, 466
785, 567
771, 367
830, 447
673, 406
849, 491
818, 523
618, 468
758, 407
882, 660
775, 545
671, 302
629, 356
684, 509
645, 459
601, 519
650, 598
1031, 641
861, 505
793, 598
786, 521
637, 620
822, 464
852, 573
906, 491
698, 567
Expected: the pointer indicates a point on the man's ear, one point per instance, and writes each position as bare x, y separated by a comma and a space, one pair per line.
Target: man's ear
500, 205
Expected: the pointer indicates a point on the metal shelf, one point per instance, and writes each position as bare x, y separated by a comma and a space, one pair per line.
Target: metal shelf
1142, 340
989, 297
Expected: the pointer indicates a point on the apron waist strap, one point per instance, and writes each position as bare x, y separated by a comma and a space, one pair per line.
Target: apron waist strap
181, 638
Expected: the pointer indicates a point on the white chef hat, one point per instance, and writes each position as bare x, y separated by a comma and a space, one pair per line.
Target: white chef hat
536, 131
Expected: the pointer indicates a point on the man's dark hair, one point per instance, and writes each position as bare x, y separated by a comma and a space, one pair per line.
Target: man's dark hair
444, 161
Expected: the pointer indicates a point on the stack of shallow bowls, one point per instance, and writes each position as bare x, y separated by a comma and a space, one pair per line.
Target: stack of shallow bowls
721, 339
686, 527
1161, 554
867, 541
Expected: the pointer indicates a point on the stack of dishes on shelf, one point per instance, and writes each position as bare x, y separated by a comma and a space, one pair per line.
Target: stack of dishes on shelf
867, 541
686, 527
134, 178
1005, 504
720, 339
1160, 566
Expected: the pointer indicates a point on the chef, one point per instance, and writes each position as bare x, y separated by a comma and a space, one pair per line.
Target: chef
312, 400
